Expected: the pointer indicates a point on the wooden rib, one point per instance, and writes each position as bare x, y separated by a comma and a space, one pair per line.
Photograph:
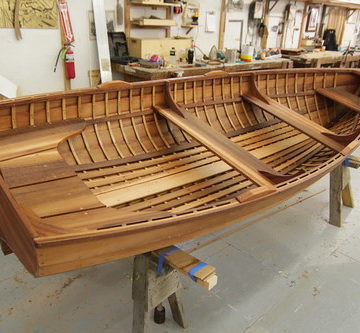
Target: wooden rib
233, 103
277, 85
144, 120
225, 106
87, 146
125, 138
144, 148
335, 79
31, 115
185, 101
296, 92
287, 90
160, 131
79, 106
93, 101
113, 139
101, 144
118, 98
243, 105
153, 102
315, 100
13, 117
63, 108
106, 101
205, 109
48, 113
248, 133
73, 151
215, 107
195, 100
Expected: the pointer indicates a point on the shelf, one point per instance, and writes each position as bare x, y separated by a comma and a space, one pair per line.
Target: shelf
154, 4
139, 26
153, 23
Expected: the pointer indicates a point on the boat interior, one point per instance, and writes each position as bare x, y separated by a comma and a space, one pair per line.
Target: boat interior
126, 153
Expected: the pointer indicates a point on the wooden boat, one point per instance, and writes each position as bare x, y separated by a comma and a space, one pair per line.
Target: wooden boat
95, 175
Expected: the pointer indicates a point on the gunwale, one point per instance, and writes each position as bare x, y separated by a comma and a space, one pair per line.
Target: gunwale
166, 220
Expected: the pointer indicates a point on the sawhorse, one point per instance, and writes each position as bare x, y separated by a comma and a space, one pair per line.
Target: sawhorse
340, 189
156, 279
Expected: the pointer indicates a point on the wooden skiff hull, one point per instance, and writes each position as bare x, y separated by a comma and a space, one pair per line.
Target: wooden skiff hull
68, 201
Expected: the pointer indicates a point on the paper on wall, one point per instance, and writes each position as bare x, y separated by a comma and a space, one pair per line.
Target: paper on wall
210, 22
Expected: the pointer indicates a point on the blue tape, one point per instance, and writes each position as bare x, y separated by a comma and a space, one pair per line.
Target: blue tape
347, 162
195, 269
161, 260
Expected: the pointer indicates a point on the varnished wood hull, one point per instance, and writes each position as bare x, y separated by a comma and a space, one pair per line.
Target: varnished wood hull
116, 171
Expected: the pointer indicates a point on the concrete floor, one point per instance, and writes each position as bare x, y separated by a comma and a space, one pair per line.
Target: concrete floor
291, 272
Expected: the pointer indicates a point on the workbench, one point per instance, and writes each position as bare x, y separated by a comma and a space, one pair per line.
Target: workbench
325, 59
132, 74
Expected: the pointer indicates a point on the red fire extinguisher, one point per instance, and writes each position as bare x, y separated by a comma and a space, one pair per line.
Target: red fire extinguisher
69, 63
67, 54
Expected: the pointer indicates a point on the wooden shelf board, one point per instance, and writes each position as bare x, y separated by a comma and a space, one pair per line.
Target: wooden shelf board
150, 26
154, 4
139, 24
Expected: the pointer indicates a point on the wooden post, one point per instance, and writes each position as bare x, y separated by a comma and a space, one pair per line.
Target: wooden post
168, 17
222, 25
150, 290
127, 23
303, 20
340, 189
336, 186
347, 197
266, 23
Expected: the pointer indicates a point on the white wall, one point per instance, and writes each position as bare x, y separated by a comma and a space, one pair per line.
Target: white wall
29, 62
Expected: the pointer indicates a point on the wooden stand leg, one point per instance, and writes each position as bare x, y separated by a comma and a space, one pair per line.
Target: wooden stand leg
347, 196
140, 294
177, 309
150, 290
336, 186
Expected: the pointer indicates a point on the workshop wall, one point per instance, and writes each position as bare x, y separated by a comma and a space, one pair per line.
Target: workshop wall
29, 62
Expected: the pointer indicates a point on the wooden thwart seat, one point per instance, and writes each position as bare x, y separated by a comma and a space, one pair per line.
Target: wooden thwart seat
228, 151
319, 133
341, 96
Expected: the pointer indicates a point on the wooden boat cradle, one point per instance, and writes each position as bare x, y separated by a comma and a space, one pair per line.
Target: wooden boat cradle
99, 174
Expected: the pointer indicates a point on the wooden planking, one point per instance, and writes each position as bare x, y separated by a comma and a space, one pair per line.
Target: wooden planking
56, 197
35, 168
160, 183
31, 140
